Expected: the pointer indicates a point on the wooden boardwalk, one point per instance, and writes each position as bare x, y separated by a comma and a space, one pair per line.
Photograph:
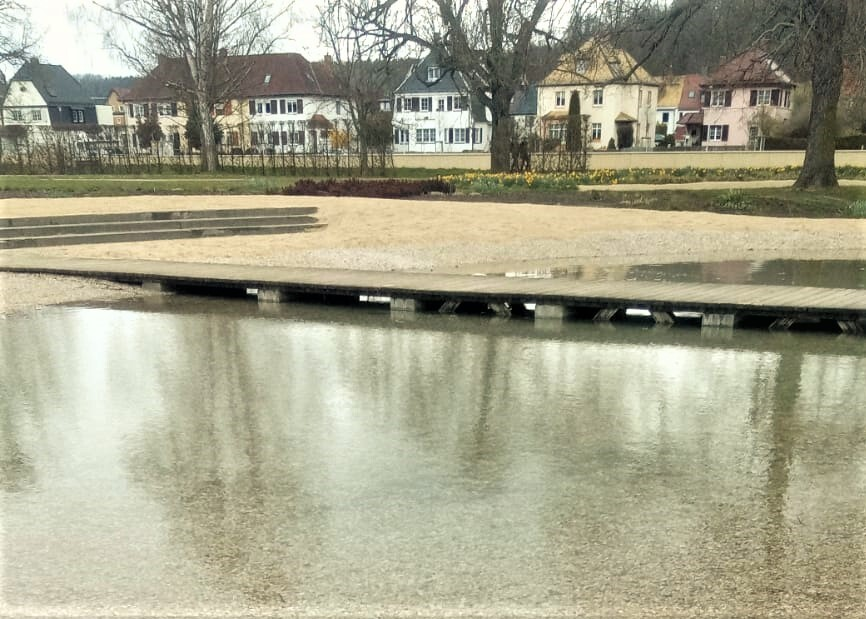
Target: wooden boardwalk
718, 305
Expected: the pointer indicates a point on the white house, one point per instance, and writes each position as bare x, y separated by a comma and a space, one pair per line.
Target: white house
617, 99
45, 100
434, 111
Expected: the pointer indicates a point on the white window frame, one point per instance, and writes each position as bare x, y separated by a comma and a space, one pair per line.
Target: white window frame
402, 136
433, 73
77, 116
595, 132
36, 115
163, 109
425, 136
559, 98
764, 96
717, 98
457, 103
598, 96
461, 135
291, 106
17, 115
440, 105
714, 133
556, 131
426, 104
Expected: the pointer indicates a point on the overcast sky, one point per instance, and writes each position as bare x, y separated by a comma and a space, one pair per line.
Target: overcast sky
67, 36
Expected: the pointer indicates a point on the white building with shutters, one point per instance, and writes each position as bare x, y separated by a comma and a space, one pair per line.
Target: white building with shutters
435, 112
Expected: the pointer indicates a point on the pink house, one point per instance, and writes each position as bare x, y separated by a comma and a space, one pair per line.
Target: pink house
743, 101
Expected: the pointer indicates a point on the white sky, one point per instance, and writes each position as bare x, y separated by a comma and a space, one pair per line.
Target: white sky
67, 36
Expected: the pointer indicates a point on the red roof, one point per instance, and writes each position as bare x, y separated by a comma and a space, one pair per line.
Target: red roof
259, 75
753, 67
691, 86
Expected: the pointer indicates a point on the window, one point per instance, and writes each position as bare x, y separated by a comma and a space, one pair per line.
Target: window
761, 97
16, 114
401, 136
595, 132
666, 117
598, 96
385, 105
426, 104
580, 66
140, 110
77, 116
433, 74
477, 135
557, 130
440, 105
720, 98
460, 103
559, 98
291, 107
258, 108
461, 136
35, 114
691, 94
164, 109
425, 136
339, 106
718, 133
268, 78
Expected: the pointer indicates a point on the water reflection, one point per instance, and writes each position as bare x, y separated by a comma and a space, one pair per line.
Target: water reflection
818, 273
205, 458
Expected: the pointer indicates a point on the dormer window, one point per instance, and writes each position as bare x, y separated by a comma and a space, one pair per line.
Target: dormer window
433, 74
268, 78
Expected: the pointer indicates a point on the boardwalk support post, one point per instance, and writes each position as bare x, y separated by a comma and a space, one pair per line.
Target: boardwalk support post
663, 319
503, 310
551, 311
404, 304
272, 295
606, 315
851, 327
718, 321
449, 307
157, 286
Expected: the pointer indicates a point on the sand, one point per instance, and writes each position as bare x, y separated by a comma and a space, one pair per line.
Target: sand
437, 236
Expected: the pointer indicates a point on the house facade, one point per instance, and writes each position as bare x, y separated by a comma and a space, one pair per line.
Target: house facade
435, 112
745, 100
617, 99
272, 103
679, 96
45, 101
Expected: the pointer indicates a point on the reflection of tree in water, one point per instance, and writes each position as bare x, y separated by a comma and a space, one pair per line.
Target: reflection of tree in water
218, 464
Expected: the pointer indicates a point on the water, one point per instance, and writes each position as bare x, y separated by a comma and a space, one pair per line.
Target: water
206, 458
818, 273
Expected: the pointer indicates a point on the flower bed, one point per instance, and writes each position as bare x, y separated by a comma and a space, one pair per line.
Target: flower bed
390, 188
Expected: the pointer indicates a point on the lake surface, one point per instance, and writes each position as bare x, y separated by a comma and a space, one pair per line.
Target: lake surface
203, 457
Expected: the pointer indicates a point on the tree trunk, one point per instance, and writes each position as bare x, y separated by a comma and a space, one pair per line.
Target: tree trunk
208, 143
500, 141
819, 166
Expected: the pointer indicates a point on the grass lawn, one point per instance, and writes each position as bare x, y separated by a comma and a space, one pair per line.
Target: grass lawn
543, 189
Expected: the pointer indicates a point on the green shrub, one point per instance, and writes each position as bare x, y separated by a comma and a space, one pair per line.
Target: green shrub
857, 209
733, 200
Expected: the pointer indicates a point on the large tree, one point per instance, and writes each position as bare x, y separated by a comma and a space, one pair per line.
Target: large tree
495, 44
203, 33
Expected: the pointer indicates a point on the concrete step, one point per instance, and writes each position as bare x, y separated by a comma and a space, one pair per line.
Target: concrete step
144, 225
153, 235
51, 220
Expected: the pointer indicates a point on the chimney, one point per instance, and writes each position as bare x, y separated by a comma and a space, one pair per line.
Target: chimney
329, 60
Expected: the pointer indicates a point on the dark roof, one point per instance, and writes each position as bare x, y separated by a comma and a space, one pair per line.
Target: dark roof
525, 101
258, 75
691, 84
54, 83
416, 79
752, 67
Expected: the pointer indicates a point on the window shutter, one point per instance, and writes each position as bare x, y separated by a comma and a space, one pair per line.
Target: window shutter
131, 110
705, 133
451, 136
254, 138
724, 133
153, 109
727, 98
416, 106
282, 106
450, 104
252, 107
300, 108
480, 138
705, 96
775, 96
273, 106
753, 98
396, 136
301, 136
399, 104
284, 137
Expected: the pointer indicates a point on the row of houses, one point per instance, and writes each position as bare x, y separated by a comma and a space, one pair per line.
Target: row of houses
285, 103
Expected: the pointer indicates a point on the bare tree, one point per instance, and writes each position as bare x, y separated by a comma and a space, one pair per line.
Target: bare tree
820, 37
494, 44
16, 41
204, 34
365, 74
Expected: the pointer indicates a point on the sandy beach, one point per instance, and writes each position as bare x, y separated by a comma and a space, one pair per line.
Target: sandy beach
434, 236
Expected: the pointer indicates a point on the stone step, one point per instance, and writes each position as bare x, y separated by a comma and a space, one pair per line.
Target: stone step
146, 225
50, 220
153, 235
